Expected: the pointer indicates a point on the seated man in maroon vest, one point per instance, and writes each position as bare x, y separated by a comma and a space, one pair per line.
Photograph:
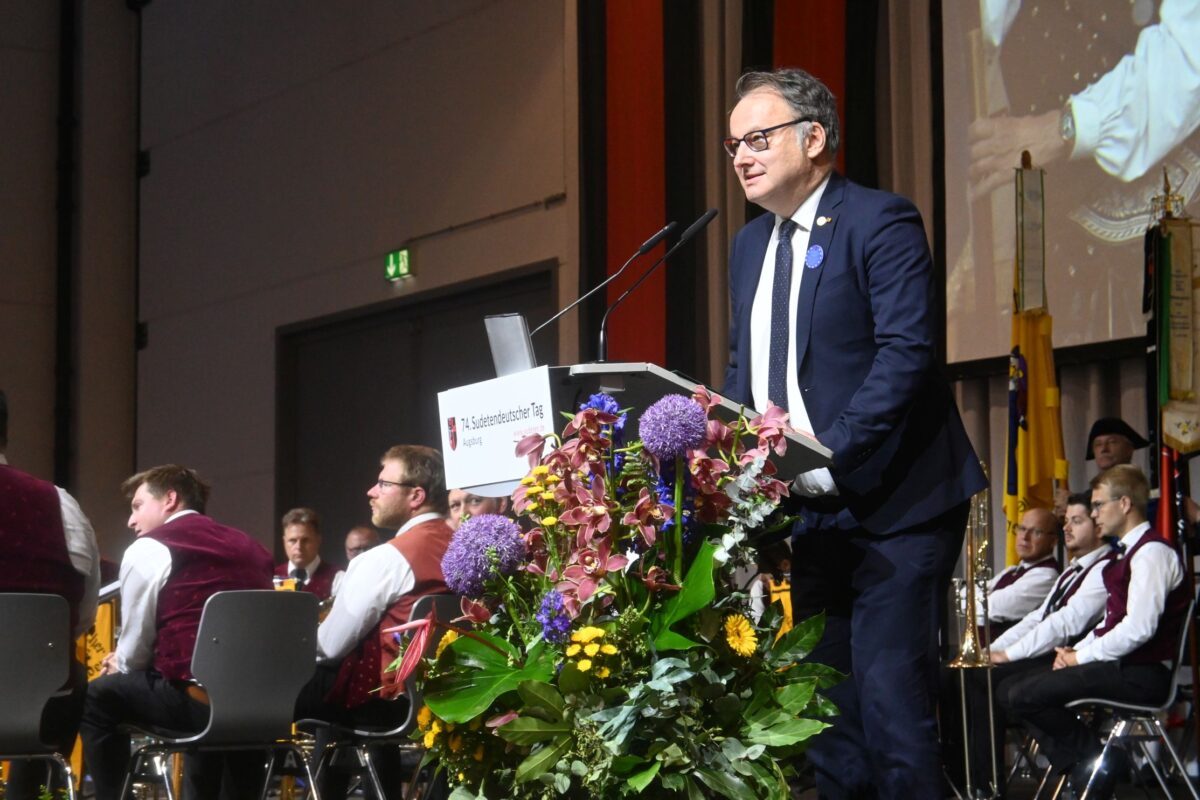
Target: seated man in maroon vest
378, 591
1129, 655
179, 559
47, 546
1023, 587
302, 546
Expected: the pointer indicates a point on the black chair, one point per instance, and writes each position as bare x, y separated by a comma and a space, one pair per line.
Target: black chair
356, 741
1133, 722
255, 649
35, 662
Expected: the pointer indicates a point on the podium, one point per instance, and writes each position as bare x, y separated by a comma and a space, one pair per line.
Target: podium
486, 465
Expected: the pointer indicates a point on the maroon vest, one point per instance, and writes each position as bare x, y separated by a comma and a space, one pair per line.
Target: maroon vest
1099, 563
206, 558
1163, 644
995, 628
319, 583
362, 669
33, 545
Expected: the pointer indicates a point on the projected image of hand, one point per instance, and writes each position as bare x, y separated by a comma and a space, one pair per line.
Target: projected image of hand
996, 144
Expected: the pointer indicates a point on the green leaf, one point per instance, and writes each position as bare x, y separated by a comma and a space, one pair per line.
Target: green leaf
785, 733
697, 593
464, 694
641, 780
538, 763
794, 697
826, 676
726, 783
529, 730
797, 643
542, 695
461, 793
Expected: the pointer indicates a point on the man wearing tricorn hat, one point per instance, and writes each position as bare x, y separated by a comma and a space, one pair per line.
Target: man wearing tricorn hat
1111, 441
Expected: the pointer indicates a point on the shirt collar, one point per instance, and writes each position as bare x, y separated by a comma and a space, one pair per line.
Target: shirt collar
179, 514
3, 460
1087, 559
417, 520
806, 214
309, 568
1134, 536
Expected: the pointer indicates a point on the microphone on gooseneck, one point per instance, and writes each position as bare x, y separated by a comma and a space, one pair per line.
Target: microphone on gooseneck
693, 229
646, 247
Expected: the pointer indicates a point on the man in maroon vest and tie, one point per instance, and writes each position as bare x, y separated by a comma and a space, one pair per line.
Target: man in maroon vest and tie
302, 546
1129, 655
379, 589
178, 561
1022, 587
47, 546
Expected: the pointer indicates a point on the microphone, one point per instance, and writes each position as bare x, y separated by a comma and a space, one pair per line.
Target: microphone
646, 247
693, 229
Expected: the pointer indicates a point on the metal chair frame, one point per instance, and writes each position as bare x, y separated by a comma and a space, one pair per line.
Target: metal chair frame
255, 650
35, 662
1128, 718
359, 740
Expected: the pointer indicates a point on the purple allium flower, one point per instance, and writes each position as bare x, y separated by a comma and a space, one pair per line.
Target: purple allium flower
555, 622
672, 426
605, 403
483, 548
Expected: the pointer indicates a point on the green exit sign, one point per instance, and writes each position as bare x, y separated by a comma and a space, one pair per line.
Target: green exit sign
398, 266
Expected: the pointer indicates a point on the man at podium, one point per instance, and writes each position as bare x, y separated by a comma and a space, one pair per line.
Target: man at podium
833, 320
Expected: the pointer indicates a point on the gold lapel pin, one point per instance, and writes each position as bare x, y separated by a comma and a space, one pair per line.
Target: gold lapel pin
822, 220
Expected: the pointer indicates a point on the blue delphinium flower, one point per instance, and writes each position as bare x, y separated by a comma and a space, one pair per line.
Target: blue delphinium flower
555, 622
483, 548
605, 403
672, 426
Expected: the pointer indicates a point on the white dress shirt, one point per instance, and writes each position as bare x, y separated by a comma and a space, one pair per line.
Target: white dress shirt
818, 481
1021, 596
145, 568
83, 553
1154, 572
374, 581
1037, 634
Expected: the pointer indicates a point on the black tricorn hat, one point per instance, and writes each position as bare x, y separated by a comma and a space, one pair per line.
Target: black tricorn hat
1106, 426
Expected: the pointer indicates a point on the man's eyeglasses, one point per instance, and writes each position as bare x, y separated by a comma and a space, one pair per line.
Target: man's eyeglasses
383, 485
757, 140
1101, 504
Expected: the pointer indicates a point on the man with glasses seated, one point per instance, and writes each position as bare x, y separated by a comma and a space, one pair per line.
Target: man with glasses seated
1128, 656
1021, 588
378, 592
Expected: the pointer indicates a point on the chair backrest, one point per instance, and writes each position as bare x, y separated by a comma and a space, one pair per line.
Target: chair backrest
255, 650
445, 608
35, 660
1185, 628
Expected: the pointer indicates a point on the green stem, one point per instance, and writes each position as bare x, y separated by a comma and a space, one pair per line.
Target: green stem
677, 528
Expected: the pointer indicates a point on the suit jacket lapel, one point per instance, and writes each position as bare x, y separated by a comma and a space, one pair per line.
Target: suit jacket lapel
820, 236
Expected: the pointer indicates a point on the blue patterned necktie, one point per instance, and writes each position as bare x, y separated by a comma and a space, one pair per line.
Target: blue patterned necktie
777, 389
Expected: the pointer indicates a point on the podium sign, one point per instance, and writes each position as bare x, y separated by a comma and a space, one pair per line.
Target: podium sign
482, 423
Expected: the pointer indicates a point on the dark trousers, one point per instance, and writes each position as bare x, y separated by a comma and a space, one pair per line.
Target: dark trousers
979, 737
1038, 701
146, 698
375, 714
60, 723
884, 599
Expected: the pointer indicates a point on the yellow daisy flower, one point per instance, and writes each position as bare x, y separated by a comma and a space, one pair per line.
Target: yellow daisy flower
603, 672
592, 648
585, 635
449, 637
740, 635
552, 479
608, 650
584, 664
533, 491
547, 495
424, 717
573, 650
541, 469
549, 521
456, 743
430, 739
528, 480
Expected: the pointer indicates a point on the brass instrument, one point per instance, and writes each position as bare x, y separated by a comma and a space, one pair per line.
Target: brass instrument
971, 593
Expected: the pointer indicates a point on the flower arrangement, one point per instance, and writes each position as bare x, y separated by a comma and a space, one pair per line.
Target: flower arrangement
611, 651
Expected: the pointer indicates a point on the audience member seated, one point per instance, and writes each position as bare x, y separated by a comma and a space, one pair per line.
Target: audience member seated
47, 546
302, 546
359, 540
1021, 588
1128, 656
464, 505
180, 558
378, 591
1111, 441
1073, 606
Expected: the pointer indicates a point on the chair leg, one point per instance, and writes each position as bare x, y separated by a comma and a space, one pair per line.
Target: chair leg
1117, 732
1045, 780
135, 765
68, 776
313, 790
267, 775
1162, 735
372, 773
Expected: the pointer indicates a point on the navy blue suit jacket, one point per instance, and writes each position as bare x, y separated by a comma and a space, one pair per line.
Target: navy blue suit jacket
865, 356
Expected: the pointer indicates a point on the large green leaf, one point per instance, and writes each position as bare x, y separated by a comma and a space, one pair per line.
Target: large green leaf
797, 643
641, 780
529, 730
536, 764
727, 783
542, 695
464, 694
784, 733
697, 593
794, 697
